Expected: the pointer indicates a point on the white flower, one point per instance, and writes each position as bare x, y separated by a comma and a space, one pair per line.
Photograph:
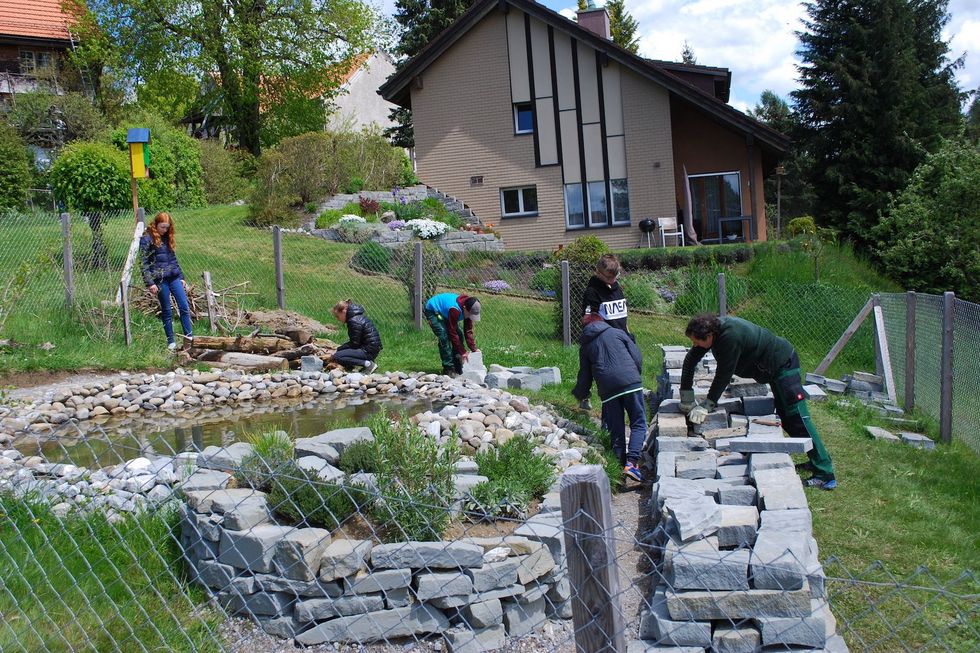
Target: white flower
426, 229
351, 218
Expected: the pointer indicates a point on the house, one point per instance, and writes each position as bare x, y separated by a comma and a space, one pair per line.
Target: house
34, 38
357, 104
549, 131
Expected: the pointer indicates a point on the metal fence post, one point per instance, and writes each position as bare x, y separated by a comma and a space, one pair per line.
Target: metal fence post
566, 305
590, 547
277, 254
910, 307
67, 260
946, 371
722, 295
417, 293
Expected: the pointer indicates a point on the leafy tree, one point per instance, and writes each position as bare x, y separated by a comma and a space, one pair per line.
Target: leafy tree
92, 178
247, 45
420, 21
687, 54
877, 94
96, 58
622, 26
168, 93
930, 239
15, 169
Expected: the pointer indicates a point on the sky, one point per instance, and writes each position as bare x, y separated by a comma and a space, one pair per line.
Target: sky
756, 39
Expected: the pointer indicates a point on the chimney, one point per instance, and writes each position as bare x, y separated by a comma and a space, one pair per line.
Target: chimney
595, 19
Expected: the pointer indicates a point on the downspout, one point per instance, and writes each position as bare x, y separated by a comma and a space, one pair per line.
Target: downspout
750, 148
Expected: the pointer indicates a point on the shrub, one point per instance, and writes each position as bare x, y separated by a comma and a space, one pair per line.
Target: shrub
224, 173
176, 176
800, 226
490, 500
406, 175
362, 456
516, 462
427, 229
582, 255
15, 169
91, 177
639, 293
271, 453
546, 279
373, 257
300, 496
930, 240
414, 479
48, 120
369, 206
355, 185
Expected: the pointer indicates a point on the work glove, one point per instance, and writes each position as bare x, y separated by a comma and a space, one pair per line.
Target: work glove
700, 413
687, 401
585, 404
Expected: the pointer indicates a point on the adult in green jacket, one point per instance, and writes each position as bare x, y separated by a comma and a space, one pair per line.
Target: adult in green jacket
750, 351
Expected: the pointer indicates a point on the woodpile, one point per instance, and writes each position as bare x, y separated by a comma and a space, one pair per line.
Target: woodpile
228, 313
261, 351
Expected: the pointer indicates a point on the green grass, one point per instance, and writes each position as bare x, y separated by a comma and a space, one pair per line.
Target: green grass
84, 584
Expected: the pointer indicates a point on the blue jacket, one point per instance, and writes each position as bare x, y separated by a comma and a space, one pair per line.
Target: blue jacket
159, 263
609, 357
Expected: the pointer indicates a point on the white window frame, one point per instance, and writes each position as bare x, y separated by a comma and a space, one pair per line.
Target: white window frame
588, 205
585, 219
522, 213
530, 107
612, 203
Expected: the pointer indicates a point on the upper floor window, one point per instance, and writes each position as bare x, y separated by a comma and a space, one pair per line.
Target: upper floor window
518, 202
523, 118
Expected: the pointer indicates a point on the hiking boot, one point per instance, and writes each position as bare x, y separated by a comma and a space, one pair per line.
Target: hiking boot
821, 483
370, 367
172, 346
633, 472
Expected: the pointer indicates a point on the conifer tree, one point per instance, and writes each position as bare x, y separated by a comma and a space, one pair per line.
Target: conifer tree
622, 26
687, 55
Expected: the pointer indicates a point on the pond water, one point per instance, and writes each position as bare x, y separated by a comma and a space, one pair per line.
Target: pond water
94, 445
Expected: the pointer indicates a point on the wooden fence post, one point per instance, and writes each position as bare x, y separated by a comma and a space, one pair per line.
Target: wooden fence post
417, 294
566, 304
946, 371
212, 304
277, 254
590, 548
722, 295
910, 307
124, 298
67, 260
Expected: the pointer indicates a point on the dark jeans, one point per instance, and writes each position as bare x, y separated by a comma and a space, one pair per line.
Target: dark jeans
174, 286
795, 416
612, 417
352, 358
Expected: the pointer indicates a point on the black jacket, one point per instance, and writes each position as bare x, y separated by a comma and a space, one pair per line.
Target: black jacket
361, 332
608, 301
611, 358
158, 263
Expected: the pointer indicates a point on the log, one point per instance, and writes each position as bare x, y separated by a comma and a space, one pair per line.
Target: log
245, 344
241, 360
295, 354
299, 336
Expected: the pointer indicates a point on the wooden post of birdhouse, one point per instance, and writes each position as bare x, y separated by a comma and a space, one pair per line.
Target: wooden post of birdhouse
139, 161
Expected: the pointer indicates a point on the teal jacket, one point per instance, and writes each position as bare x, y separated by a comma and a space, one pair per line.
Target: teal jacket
741, 348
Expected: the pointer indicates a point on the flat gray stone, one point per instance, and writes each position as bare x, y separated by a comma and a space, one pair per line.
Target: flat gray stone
744, 639
344, 558
814, 392
693, 465
779, 560
672, 426
522, 618
511, 592
739, 525
732, 471
310, 364
260, 604
298, 554
701, 566
761, 461
782, 521
716, 419
426, 555
534, 565
759, 405
224, 577
656, 625
737, 495
315, 447
680, 444
327, 472
917, 440
670, 487
368, 582
524, 382
666, 464
483, 614
460, 639
438, 585
780, 489
466, 482
313, 588
879, 433
693, 518
377, 626
810, 631
319, 609
495, 574
204, 480
245, 514
549, 375
645, 646
747, 388
770, 445
253, 549
203, 501
497, 379
226, 459
738, 604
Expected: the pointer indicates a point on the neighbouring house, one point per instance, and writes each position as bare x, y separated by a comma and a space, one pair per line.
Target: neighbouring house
357, 104
34, 39
548, 130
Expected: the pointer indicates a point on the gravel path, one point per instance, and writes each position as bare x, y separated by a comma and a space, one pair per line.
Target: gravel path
634, 564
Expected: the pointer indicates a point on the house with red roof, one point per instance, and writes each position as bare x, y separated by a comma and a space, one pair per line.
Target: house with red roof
34, 37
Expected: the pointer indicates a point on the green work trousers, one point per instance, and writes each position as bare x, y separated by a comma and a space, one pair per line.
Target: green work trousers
451, 361
795, 416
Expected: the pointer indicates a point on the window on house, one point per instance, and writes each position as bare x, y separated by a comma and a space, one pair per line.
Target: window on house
713, 197
523, 118
598, 213
574, 207
517, 202
31, 61
620, 202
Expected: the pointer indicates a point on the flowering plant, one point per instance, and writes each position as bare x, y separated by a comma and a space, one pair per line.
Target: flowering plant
396, 225
427, 229
496, 285
351, 218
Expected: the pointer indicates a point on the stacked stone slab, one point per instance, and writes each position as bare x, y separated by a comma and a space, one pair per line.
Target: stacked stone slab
304, 583
867, 388
738, 566
522, 377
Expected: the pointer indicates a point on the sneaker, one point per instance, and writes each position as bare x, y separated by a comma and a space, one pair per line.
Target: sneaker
171, 346
633, 472
370, 367
822, 483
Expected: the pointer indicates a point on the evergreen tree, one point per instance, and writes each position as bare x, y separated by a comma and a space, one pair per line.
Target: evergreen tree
622, 26
687, 55
877, 94
973, 119
421, 21
773, 111
795, 194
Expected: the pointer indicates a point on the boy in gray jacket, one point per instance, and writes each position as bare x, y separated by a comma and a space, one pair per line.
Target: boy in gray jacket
609, 356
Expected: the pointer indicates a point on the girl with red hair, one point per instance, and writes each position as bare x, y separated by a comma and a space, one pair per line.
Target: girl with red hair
163, 276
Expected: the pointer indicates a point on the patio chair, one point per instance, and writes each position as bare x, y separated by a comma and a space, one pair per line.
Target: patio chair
669, 227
